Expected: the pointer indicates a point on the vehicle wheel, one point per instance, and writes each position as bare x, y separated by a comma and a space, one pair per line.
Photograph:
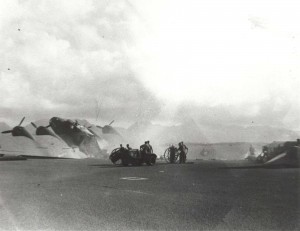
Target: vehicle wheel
118, 162
152, 161
167, 155
114, 156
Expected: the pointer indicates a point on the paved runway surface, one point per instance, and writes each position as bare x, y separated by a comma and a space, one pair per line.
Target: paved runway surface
95, 195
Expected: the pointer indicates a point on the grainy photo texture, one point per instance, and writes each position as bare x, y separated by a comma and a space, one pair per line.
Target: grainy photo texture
149, 115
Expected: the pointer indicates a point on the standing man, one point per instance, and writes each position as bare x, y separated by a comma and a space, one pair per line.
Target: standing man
143, 149
172, 150
149, 147
182, 152
128, 147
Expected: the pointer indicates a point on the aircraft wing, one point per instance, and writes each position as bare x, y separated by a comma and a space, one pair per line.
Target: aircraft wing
42, 147
6, 155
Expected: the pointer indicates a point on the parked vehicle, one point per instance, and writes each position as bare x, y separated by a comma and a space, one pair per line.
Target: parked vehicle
132, 157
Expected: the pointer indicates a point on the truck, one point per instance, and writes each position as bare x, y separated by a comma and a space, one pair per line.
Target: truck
133, 157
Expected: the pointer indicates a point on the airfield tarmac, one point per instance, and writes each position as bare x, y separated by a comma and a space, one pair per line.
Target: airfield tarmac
96, 195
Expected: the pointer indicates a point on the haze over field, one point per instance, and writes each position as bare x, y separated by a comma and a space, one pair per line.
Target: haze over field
230, 67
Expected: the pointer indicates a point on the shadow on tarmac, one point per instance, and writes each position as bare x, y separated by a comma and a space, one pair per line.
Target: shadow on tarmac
135, 166
104, 165
116, 166
11, 158
261, 166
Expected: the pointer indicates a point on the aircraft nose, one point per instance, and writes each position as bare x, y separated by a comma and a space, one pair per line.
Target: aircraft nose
53, 120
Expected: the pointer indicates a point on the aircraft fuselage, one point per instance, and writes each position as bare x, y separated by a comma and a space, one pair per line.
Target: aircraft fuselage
70, 131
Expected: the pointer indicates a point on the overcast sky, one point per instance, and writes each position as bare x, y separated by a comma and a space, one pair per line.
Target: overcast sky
215, 61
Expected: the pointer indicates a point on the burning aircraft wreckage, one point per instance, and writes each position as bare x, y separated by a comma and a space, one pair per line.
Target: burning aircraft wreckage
66, 138
70, 135
277, 154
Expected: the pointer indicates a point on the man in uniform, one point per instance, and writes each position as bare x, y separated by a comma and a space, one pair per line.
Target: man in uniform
172, 150
143, 146
121, 147
182, 152
143, 149
149, 148
128, 147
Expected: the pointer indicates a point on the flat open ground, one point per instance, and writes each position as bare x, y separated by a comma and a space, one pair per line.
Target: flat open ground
95, 195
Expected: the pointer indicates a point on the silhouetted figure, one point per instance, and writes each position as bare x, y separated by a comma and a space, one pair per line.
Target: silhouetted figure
182, 152
143, 146
149, 147
121, 147
143, 149
128, 147
146, 149
172, 151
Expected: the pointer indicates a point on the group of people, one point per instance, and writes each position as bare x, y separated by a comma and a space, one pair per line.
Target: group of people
127, 147
145, 148
181, 150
